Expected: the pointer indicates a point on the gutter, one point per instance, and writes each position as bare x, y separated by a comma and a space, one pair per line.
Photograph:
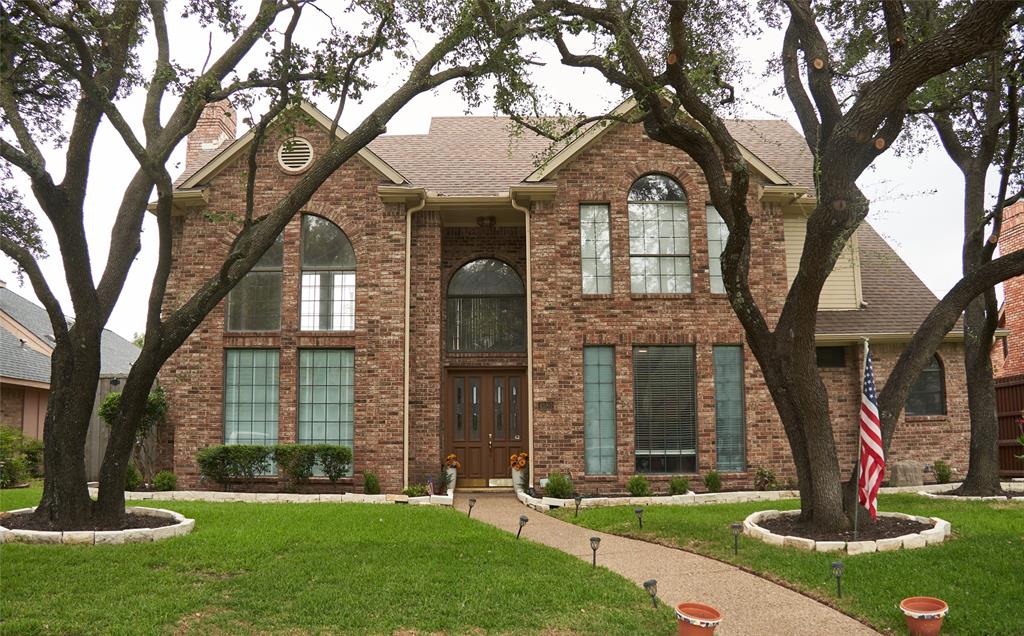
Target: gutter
421, 195
529, 327
889, 337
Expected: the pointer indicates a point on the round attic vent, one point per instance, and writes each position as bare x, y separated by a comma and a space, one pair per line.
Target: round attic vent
295, 154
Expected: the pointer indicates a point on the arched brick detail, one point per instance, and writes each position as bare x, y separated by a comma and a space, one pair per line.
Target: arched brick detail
508, 259
696, 192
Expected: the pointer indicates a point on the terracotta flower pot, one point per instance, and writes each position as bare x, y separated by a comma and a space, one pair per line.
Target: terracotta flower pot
924, 614
697, 619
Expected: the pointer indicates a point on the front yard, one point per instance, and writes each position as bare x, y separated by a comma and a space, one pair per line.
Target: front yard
315, 568
980, 572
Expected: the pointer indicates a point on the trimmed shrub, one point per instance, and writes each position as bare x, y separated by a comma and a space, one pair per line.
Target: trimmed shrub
638, 486
558, 486
165, 480
678, 486
224, 462
132, 478
764, 479
19, 457
943, 473
295, 461
336, 460
371, 485
416, 490
712, 481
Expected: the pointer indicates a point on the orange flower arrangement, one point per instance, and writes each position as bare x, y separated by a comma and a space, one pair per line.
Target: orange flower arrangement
452, 462
518, 462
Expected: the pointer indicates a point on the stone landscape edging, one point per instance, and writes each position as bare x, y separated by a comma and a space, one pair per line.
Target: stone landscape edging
544, 504
940, 530
1009, 486
183, 526
275, 497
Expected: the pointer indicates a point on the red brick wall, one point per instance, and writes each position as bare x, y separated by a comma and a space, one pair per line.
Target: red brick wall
12, 399
1011, 239
425, 348
214, 129
919, 438
194, 375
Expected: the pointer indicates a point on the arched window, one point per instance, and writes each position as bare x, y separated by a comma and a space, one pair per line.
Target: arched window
328, 300
486, 309
255, 302
659, 236
928, 395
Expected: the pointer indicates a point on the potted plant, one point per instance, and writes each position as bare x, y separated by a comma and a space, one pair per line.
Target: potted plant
697, 619
451, 466
924, 614
518, 462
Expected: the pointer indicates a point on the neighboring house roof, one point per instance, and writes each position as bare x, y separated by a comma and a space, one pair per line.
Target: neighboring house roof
897, 301
20, 362
116, 354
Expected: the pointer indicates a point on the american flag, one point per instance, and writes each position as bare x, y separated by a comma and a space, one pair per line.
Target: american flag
871, 468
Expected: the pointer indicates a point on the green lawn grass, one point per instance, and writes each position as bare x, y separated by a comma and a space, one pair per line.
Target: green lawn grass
979, 572
315, 568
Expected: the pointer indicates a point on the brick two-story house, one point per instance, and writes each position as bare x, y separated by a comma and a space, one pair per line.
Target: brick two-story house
448, 292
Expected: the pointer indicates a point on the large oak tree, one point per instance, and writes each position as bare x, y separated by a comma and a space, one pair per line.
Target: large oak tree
69, 65
668, 70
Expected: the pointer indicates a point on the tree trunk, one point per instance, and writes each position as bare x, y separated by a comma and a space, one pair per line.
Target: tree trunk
983, 465
74, 375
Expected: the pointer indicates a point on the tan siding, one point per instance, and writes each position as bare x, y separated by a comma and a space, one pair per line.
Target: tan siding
842, 289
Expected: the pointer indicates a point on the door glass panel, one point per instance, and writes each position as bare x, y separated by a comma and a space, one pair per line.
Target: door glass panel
499, 408
460, 409
513, 408
474, 409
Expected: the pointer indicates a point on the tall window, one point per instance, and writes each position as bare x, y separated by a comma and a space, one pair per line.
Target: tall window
326, 396
928, 395
599, 410
250, 396
664, 405
255, 302
730, 423
718, 234
659, 236
595, 249
328, 277
486, 309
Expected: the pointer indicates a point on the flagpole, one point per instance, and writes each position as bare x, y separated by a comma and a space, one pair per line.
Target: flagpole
856, 498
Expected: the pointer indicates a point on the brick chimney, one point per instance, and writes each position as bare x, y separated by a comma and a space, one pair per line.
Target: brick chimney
214, 130
1011, 239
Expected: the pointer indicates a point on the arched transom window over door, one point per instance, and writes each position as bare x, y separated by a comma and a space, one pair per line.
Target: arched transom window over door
659, 236
328, 277
486, 308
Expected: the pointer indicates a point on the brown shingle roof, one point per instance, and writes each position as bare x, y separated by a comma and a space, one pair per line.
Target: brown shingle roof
463, 155
779, 145
897, 300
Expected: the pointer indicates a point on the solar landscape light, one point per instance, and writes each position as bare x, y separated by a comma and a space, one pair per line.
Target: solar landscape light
472, 502
837, 571
595, 542
736, 529
639, 516
651, 585
578, 499
522, 522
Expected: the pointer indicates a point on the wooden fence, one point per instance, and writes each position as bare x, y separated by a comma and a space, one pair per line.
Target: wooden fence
1010, 406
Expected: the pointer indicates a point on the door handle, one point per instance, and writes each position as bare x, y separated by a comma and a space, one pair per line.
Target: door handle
490, 440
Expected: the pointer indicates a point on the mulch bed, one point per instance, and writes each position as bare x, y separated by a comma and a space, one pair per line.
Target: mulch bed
882, 528
25, 521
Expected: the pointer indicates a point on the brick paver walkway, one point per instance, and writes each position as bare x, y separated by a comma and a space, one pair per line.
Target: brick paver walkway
749, 604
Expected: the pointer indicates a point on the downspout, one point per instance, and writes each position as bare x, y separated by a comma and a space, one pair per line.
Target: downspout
408, 311
529, 329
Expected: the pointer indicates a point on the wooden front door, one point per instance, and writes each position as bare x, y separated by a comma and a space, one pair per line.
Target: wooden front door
485, 422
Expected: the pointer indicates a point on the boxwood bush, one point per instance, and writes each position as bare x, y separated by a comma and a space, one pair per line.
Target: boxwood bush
225, 463
638, 486
558, 486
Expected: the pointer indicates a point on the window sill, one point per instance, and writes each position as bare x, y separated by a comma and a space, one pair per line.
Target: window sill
598, 296
661, 296
247, 334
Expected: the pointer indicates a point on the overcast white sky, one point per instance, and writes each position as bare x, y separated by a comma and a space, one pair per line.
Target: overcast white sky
916, 204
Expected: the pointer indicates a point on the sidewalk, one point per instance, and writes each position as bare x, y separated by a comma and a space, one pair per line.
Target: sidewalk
749, 604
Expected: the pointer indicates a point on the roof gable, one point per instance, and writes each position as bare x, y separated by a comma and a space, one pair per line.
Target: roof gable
223, 157
597, 130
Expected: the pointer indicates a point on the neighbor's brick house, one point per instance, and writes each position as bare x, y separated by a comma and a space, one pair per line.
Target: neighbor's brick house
465, 297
